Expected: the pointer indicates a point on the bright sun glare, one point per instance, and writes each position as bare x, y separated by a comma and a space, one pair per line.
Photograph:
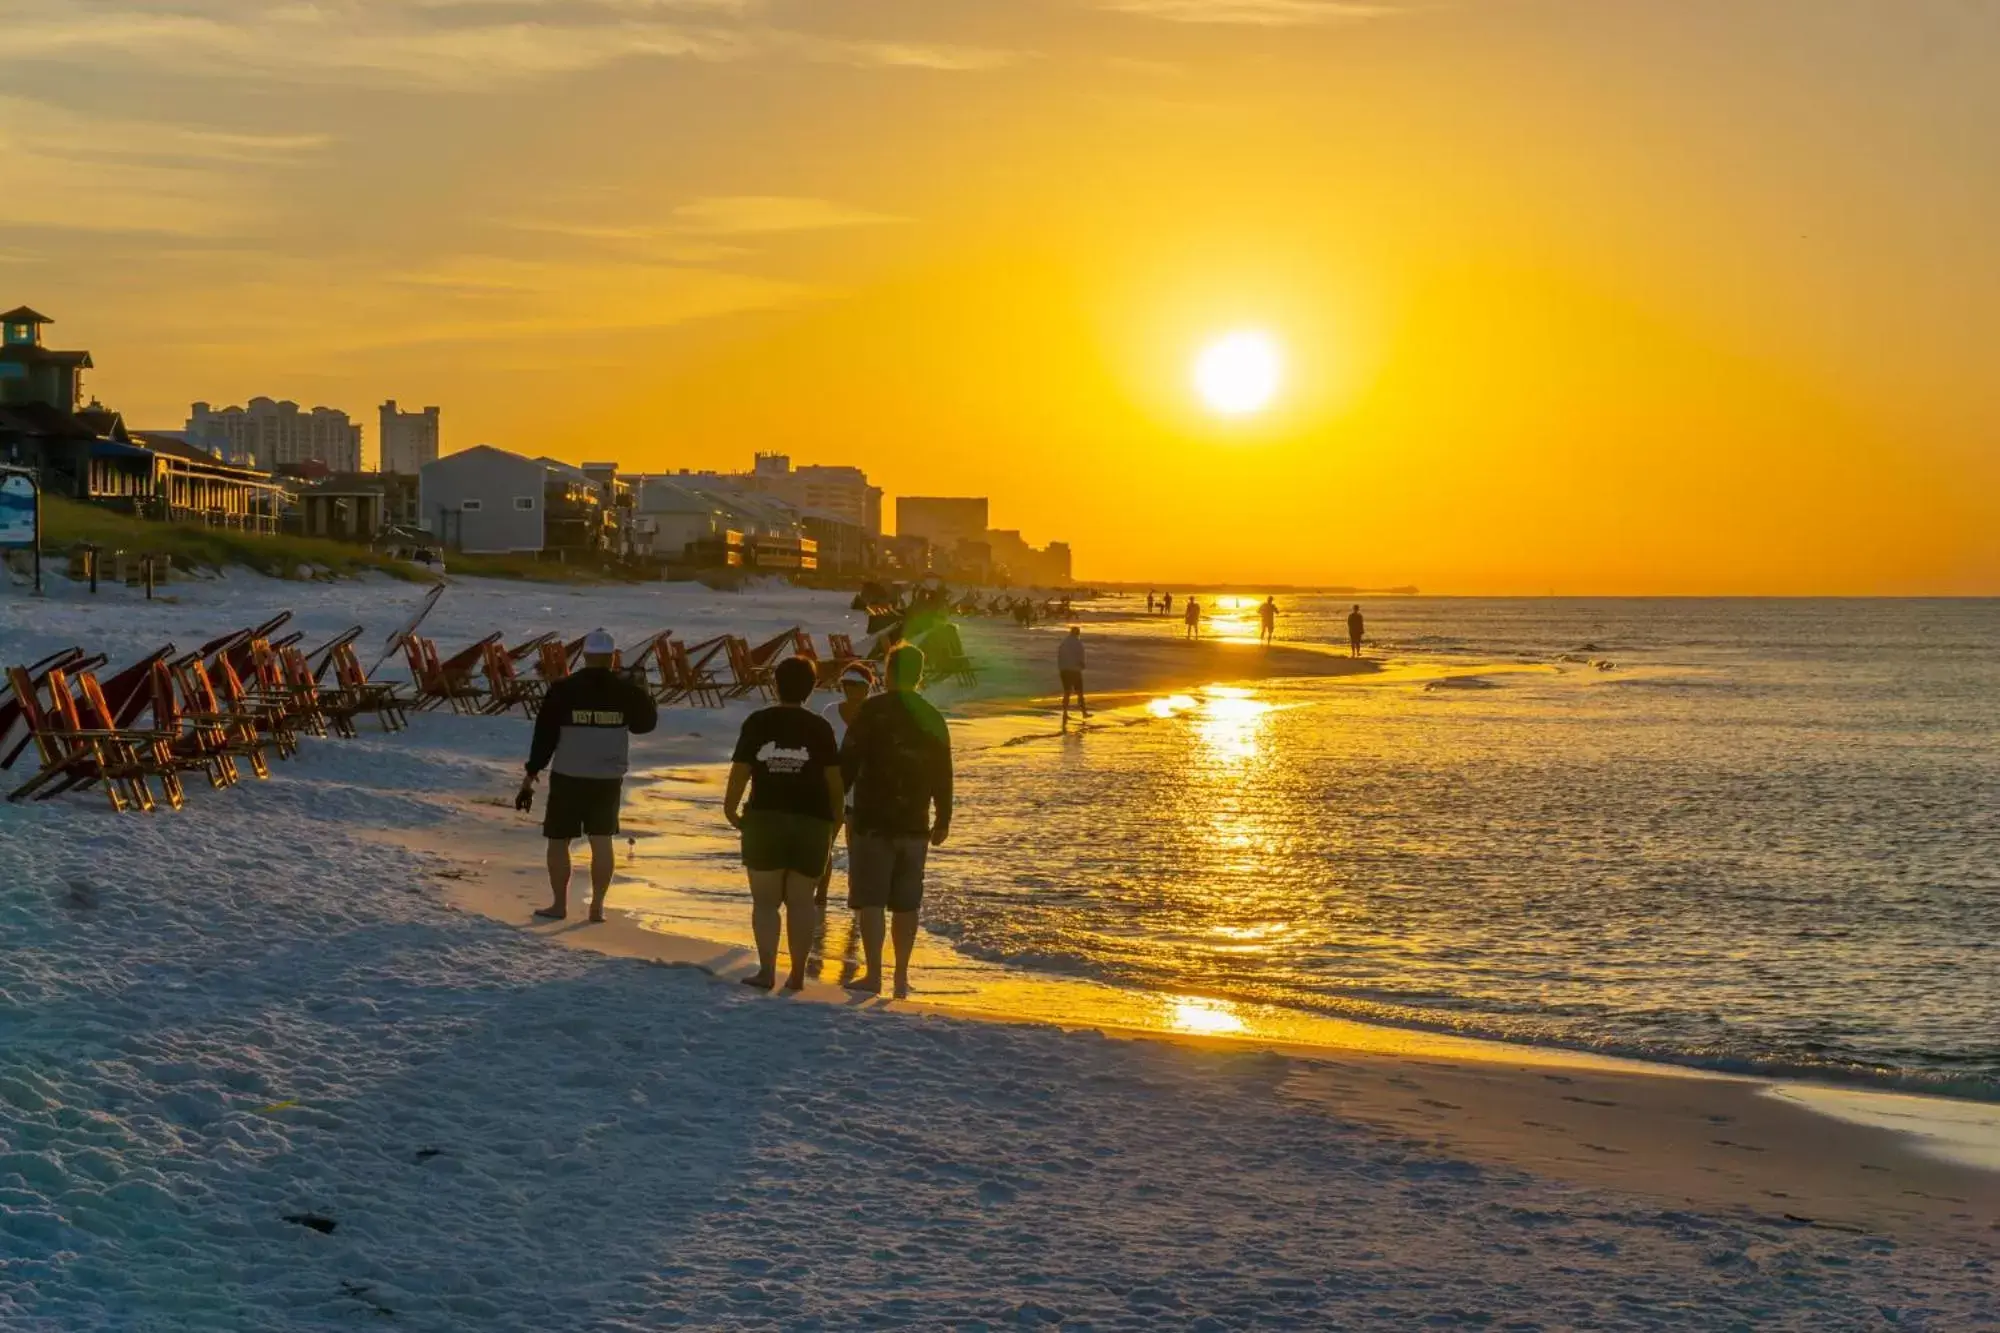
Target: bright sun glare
1239, 372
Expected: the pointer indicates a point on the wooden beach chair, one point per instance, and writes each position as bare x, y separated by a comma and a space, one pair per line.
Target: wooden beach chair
321, 657
273, 681
228, 732
72, 757
552, 663
446, 681
683, 676
193, 747
326, 710
150, 750
530, 648
945, 659
504, 689
745, 676
359, 694
12, 710
271, 715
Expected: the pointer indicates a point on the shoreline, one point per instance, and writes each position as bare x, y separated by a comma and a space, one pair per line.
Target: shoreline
1799, 1153
1680, 1135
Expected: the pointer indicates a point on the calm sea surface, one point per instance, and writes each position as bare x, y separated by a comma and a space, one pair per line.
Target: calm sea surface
1764, 836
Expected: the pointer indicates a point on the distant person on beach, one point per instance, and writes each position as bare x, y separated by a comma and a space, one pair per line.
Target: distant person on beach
583, 737
897, 757
1355, 626
1069, 666
1191, 617
1267, 614
1166, 603
788, 761
857, 682
1150, 600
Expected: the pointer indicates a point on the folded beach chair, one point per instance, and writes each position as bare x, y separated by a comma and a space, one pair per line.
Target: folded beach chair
273, 682
326, 707
746, 677
504, 689
71, 756
12, 712
270, 714
447, 681
321, 658
684, 675
358, 694
226, 731
552, 662
151, 751
531, 648
945, 659
193, 747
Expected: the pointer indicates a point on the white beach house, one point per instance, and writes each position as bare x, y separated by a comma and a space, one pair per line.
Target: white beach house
485, 501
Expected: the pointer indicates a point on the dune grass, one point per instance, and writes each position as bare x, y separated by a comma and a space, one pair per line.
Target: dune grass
193, 546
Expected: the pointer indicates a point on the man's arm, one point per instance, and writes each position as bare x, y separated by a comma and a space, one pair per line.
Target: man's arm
548, 731
850, 748
732, 797
941, 781
642, 711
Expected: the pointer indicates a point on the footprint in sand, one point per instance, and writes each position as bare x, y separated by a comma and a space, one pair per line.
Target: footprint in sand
1432, 1101
1587, 1101
1731, 1143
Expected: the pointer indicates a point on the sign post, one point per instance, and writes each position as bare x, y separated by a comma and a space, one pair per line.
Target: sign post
21, 514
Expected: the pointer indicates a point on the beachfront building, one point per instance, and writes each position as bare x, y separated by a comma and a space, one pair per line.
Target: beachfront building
943, 521
407, 440
485, 501
86, 453
269, 432
841, 493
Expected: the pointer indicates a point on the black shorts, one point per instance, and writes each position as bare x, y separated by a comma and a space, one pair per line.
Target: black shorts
886, 870
581, 807
1072, 681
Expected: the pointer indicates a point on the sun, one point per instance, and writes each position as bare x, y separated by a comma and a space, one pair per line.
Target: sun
1239, 372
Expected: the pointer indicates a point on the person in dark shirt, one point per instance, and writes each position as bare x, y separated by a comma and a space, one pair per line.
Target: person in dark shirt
897, 757
788, 761
1356, 626
582, 736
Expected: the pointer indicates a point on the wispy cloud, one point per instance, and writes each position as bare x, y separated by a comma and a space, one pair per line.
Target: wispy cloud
449, 44
740, 215
1262, 13
99, 173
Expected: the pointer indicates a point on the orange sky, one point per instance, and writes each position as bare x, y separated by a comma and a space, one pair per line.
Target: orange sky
1576, 297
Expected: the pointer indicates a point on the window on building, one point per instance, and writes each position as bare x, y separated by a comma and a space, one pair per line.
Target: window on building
472, 506
524, 502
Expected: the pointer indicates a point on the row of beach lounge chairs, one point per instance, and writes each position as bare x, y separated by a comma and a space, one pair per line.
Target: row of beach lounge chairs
250, 695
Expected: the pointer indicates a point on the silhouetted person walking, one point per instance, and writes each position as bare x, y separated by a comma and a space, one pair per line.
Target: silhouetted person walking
1355, 626
1267, 614
897, 757
787, 760
1069, 666
1192, 618
583, 737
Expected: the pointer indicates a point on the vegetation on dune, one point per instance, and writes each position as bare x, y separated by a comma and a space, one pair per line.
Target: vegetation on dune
65, 523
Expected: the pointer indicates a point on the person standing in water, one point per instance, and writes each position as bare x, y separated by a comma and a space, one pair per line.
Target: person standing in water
897, 757
1267, 615
1166, 603
1355, 626
583, 737
1191, 617
1069, 666
1149, 601
787, 760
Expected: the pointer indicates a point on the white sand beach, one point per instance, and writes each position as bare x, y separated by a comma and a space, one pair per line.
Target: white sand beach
320, 998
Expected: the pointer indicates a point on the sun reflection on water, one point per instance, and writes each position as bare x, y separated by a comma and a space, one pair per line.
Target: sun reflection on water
1203, 1017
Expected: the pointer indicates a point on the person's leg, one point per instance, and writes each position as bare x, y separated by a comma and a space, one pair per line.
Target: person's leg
903, 926
870, 862
801, 916
603, 862
558, 907
1082, 705
767, 891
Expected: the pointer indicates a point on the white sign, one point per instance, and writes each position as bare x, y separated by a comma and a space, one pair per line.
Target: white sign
17, 510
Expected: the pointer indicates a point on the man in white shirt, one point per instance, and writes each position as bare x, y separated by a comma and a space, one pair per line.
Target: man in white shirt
1069, 665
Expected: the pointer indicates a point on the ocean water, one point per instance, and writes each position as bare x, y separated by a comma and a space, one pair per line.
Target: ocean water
1751, 835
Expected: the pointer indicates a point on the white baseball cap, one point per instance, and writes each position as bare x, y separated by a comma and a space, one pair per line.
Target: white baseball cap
599, 643
857, 674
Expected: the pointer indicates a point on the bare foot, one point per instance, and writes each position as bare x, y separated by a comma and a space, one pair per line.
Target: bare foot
902, 988
598, 916
866, 985
762, 981
552, 913
795, 983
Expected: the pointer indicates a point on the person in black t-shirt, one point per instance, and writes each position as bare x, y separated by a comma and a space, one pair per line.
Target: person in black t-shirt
898, 756
787, 760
